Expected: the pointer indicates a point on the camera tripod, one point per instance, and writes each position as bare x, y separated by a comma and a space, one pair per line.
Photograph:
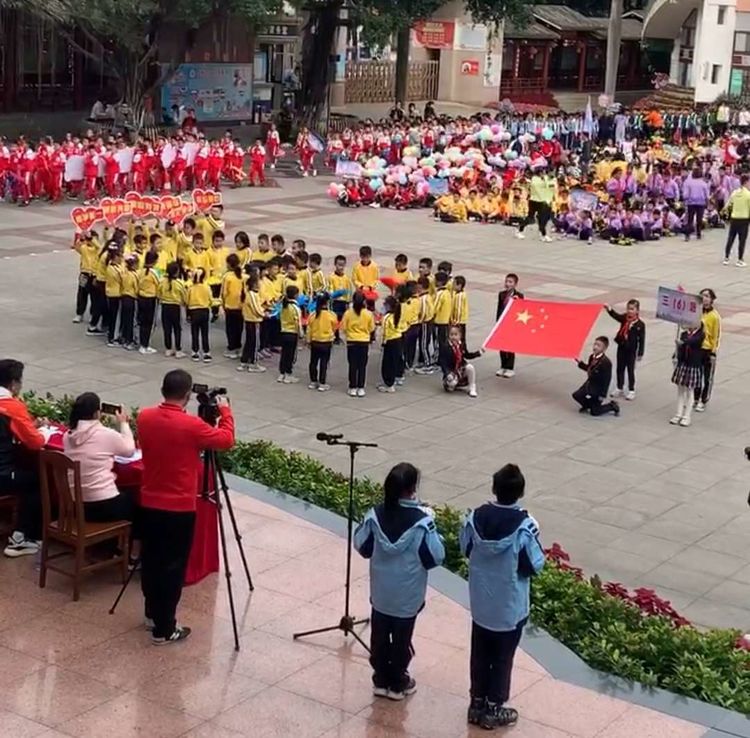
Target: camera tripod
347, 623
214, 485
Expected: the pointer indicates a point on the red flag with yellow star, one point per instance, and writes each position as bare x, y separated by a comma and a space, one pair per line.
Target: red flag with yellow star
540, 328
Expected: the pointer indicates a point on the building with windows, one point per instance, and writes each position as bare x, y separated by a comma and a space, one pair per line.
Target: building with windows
711, 43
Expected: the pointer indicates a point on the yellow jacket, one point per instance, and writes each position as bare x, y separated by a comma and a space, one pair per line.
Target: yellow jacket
711, 330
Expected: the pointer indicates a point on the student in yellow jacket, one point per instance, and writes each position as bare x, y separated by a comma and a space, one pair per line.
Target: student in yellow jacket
171, 295
711, 340
231, 292
199, 301
253, 313
320, 334
148, 288
87, 246
357, 325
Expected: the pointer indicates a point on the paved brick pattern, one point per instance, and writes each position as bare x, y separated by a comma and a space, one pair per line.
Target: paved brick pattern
633, 498
70, 670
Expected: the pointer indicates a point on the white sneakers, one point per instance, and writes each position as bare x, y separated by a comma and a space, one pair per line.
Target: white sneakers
18, 545
520, 234
361, 392
352, 393
630, 395
740, 263
725, 262
546, 239
700, 407
506, 373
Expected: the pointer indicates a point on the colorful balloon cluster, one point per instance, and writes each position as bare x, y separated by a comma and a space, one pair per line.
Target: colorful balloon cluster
454, 163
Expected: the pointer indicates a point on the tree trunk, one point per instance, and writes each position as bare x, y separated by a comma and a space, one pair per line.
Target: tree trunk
319, 36
402, 64
614, 34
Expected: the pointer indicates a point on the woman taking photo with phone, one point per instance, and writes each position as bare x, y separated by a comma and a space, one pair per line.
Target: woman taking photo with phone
95, 446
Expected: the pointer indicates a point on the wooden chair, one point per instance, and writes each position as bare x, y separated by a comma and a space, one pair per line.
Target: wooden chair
60, 480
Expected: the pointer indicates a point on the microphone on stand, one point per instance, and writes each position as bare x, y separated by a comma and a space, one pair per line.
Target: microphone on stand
329, 437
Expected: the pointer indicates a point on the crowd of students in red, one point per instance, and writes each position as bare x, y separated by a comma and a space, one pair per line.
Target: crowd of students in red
92, 166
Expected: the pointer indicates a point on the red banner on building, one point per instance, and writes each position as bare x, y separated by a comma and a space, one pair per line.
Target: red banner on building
435, 34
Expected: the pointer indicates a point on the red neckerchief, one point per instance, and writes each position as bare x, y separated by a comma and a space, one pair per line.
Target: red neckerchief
458, 355
593, 363
625, 327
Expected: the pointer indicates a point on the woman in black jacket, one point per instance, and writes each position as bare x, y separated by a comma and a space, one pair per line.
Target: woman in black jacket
453, 360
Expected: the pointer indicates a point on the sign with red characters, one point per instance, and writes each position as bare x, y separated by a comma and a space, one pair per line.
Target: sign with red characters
164, 207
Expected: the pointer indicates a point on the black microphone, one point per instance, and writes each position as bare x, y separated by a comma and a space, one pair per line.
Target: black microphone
328, 437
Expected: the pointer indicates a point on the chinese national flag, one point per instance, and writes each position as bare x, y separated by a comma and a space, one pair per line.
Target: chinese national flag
539, 328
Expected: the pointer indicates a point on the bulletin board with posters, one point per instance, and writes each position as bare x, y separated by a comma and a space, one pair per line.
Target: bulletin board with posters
215, 91
431, 34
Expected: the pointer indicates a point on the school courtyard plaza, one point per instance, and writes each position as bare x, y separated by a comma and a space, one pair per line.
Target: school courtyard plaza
632, 499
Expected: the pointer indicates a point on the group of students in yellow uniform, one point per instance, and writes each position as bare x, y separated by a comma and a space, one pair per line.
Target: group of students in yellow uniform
270, 297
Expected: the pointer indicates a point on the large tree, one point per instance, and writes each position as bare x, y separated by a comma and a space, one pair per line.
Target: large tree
141, 42
380, 21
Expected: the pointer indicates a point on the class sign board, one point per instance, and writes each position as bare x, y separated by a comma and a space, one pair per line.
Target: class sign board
676, 306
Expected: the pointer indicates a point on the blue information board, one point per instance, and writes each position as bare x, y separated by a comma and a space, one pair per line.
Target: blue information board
214, 91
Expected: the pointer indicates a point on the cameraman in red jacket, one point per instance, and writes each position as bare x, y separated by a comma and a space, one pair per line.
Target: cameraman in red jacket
171, 442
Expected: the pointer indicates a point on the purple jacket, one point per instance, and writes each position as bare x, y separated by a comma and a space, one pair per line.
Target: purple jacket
695, 192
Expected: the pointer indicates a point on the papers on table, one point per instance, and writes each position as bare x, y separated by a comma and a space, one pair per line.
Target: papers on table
48, 431
137, 456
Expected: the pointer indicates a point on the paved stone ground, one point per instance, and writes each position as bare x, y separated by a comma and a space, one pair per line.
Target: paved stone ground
633, 499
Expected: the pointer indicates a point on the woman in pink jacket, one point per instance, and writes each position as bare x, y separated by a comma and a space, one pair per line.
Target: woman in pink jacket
94, 446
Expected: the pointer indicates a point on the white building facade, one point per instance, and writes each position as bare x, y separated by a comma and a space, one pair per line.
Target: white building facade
703, 32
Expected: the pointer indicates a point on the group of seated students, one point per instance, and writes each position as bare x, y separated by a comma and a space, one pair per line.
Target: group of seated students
87, 441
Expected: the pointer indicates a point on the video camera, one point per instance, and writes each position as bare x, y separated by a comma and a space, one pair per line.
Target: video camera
208, 409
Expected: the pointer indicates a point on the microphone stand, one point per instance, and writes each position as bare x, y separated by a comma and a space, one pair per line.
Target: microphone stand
347, 623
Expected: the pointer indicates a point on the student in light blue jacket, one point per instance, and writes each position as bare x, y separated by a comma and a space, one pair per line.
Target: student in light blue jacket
400, 539
501, 541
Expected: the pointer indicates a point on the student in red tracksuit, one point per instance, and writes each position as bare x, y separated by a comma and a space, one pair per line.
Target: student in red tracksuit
215, 165
140, 169
171, 441
257, 164
56, 173
27, 165
236, 164
306, 153
111, 170
177, 171
41, 170
273, 145
200, 166
90, 172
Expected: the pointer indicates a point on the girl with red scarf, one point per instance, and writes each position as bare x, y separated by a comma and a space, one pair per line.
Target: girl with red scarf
631, 343
457, 372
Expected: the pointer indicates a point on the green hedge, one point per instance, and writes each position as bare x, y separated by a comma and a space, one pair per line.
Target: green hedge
635, 635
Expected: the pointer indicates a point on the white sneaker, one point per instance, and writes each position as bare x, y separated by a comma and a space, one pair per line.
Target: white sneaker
700, 407
352, 393
361, 392
324, 387
179, 354
169, 352
150, 350
725, 262
500, 373
313, 386
472, 393
19, 545
676, 420
630, 395
520, 235
291, 379
256, 369
77, 319
617, 393
509, 373
384, 388
142, 351
180, 633
280, 379
400, 381
231, 355
241, 368
740, 263
546, 239
684, 422
195, 356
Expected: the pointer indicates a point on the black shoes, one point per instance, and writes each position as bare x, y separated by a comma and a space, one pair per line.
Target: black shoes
490, 715
497, 716
615, 408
